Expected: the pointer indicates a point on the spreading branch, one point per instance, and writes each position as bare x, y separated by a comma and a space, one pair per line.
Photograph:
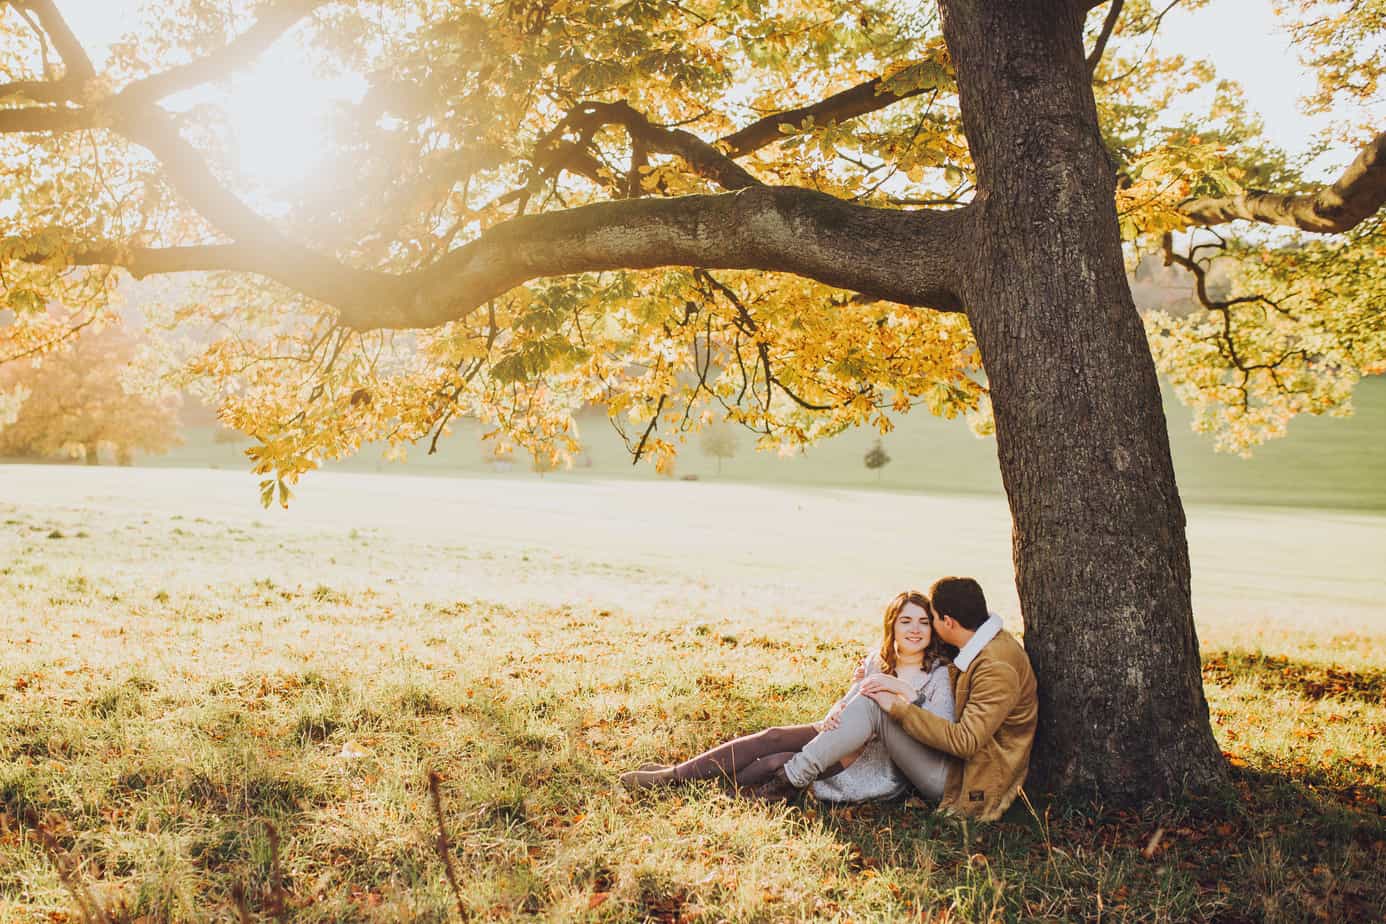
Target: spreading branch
1356, 195
140, 94
716, 161
705, 159
1108, 25
38, 91
274, 21
76, 61
1224, 337
77, 66
780, 229
876, 93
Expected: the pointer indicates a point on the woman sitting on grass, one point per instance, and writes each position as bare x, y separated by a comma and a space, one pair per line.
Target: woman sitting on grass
911, 660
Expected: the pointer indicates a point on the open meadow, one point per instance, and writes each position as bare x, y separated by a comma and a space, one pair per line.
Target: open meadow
220, 712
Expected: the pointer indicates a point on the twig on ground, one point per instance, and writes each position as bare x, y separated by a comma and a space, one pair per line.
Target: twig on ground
444, 843
238, 898
277, 905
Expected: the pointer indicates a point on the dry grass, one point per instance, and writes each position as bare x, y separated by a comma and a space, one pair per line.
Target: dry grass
202, 743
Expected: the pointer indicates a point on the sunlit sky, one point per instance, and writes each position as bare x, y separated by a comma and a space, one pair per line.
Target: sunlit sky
278, 105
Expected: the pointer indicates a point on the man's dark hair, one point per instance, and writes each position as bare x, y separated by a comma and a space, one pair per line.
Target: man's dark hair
960, 598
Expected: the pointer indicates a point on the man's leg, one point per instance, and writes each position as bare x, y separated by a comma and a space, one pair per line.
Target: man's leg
923, 766
857, 722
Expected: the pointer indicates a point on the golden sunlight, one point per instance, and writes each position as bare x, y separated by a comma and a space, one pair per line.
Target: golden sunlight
276, 108
278, 111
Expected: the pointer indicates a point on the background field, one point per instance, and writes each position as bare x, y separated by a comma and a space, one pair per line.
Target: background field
184, 673
1327, 462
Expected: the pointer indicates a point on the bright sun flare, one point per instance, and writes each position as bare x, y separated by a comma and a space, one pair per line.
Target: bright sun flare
277, 108
278, 111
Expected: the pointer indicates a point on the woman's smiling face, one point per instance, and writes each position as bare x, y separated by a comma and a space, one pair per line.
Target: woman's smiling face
913, 630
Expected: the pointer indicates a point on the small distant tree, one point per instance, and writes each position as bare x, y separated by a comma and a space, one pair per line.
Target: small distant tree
720, 440
76, 405
877, 458
541, 462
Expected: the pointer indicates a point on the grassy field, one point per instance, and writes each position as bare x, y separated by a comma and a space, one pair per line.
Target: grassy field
217, 712
1332, 463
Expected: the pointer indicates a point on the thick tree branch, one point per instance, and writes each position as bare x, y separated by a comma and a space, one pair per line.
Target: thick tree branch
154, 261
39, 91
260, 247
350, 290
45, 119
906, 257
882, 253
155, 130
263, 248
1356, 195
78, 70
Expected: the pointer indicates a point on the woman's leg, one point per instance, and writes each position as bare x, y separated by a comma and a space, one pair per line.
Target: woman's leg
732, 759
758, 755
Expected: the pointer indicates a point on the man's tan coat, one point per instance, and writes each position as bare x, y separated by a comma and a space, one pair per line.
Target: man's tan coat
996, 711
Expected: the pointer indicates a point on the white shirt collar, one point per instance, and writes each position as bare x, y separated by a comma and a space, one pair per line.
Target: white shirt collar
985, 633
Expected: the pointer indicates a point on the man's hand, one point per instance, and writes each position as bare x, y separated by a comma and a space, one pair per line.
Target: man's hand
886, 699
886, 683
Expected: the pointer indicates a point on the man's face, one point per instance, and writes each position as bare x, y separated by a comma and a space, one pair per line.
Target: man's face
947, 628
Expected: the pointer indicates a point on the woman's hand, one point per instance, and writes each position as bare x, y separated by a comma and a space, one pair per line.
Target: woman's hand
831, 720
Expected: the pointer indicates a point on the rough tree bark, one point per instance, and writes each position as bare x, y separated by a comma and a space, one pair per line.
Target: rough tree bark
1101, 560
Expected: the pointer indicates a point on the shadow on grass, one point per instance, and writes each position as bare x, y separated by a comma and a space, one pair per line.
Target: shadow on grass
1275, 847
1278, 672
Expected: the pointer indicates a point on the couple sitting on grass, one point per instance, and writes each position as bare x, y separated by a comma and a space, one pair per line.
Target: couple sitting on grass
946, 707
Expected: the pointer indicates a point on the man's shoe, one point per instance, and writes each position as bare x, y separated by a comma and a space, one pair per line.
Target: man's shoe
655, 766
777, 789
648, 779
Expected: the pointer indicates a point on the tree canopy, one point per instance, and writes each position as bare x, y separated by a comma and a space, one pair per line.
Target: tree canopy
657, 206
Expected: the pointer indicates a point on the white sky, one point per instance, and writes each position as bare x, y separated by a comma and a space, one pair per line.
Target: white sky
1247, 45
277, 141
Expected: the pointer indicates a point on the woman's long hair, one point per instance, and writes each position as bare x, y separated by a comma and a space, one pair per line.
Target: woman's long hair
935, 653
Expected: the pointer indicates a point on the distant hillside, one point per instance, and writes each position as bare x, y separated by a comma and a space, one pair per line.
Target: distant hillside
1325, 462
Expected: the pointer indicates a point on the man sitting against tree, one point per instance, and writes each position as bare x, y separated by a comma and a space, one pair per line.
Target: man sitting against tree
995, 711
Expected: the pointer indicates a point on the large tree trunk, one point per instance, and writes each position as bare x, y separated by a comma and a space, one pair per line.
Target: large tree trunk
1101, 560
